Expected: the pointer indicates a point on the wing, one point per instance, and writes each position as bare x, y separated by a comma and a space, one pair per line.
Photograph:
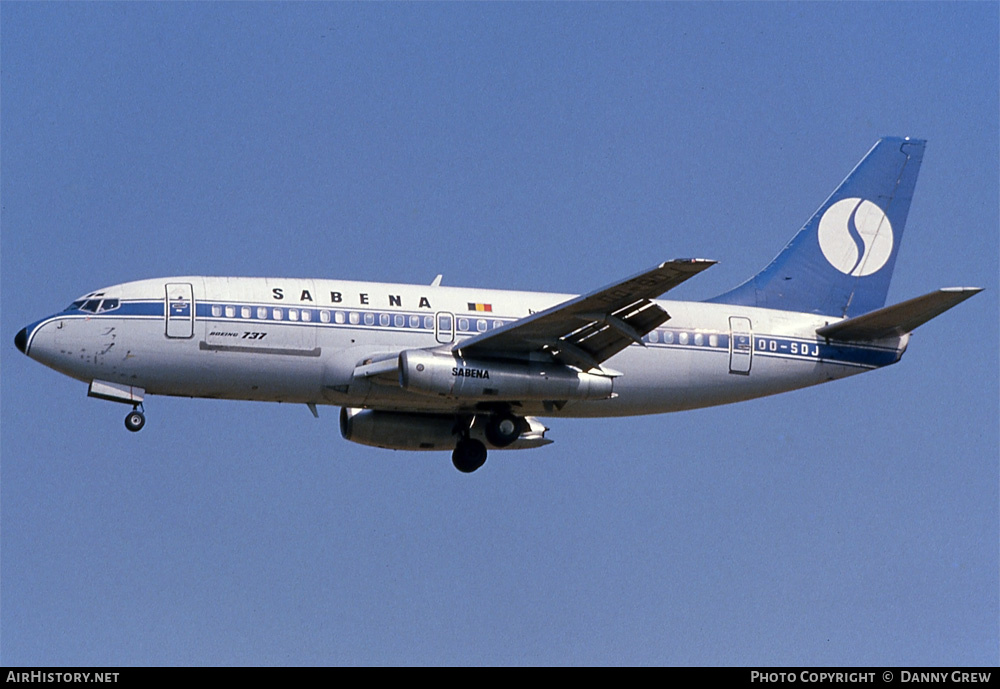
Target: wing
590, 329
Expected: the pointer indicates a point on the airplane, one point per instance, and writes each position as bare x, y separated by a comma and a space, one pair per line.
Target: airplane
432, 367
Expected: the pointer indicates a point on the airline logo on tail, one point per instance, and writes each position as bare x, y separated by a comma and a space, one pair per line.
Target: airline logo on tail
856, 237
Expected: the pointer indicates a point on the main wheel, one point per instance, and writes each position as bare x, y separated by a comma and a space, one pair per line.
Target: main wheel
469, 455
135, 421
503, 429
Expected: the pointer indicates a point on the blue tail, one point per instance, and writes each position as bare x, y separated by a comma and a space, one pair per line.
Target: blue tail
840, 262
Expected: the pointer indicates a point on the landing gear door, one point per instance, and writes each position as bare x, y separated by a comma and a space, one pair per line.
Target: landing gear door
180, 310
740, 345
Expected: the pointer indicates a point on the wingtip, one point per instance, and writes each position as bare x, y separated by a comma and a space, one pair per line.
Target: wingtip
706, 262
960, 294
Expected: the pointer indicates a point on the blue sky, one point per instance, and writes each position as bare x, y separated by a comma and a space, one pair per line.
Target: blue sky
537, 146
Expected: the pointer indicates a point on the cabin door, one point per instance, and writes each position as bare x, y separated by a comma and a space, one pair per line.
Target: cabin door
740, 345
179, 310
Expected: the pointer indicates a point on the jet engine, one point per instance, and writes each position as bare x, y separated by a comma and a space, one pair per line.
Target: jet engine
447, 375
412, 431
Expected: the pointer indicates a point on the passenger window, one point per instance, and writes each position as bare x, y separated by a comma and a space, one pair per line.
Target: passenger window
354, 317
244, 312
324, 316
699, 339
339, 317
713, 340
429, 322
463, 324
497, 324
230, 312
293, 314
216, 310
668, 336
481, 325
415, 321
683, 338
307, 315
261, 312
383, 319
399, 320
278, 314
654, 336
369, 318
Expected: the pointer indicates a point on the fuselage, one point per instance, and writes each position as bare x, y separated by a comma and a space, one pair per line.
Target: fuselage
303, 340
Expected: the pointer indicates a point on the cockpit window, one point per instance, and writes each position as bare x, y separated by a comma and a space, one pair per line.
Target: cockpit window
93, 305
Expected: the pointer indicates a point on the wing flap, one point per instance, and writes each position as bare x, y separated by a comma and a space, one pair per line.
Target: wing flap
592, 328
899, 319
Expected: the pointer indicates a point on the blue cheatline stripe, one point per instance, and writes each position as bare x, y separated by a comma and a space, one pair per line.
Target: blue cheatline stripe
133, 308
204, 311
798, 349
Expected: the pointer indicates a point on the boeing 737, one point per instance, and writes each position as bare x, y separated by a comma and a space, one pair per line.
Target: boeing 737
431, 367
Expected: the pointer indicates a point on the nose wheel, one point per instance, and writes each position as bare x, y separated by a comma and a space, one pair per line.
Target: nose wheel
135, 420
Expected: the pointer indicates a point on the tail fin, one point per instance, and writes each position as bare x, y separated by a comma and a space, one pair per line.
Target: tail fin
840, 262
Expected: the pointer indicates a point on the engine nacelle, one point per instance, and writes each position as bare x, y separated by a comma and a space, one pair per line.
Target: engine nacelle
410, 431
447, 375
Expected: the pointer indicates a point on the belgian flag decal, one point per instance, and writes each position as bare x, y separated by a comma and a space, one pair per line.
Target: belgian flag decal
480, 307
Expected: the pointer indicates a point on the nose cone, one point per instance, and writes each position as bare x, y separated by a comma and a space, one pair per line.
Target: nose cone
21, 340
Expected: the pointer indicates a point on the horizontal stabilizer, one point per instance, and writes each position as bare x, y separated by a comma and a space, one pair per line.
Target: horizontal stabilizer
899, 319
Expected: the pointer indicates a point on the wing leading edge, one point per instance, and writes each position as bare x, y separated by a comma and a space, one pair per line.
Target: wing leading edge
590, 329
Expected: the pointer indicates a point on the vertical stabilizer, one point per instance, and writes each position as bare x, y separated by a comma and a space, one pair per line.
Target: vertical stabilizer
841, 261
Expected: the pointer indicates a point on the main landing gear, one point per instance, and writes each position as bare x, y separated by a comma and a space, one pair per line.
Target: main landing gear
135, 420
469, 455
502, 429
